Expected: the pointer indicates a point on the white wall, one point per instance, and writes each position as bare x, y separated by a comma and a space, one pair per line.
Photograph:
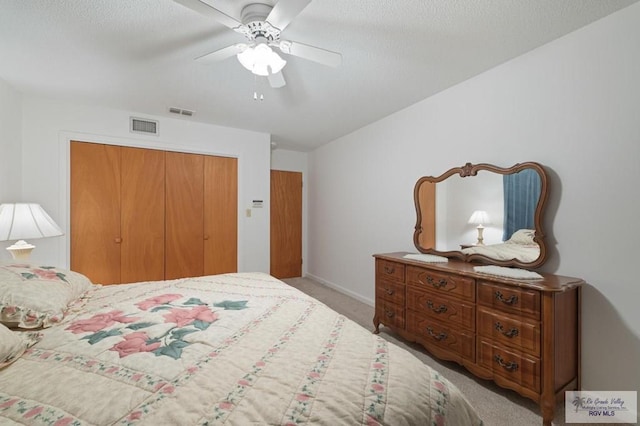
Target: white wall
10, 138
572, 105
293, 161
10, 153
48, 126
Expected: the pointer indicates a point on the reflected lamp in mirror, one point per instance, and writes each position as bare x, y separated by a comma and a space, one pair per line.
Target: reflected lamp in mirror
480, 218
23, 221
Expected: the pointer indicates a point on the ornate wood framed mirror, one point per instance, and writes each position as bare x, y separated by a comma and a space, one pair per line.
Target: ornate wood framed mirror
483, 213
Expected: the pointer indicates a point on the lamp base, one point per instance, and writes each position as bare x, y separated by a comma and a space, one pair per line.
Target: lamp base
21, 250
480, 241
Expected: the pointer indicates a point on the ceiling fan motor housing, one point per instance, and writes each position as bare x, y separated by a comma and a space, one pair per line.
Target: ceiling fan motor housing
255, 25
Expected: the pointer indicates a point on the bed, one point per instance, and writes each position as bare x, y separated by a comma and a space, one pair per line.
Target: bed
520, 246
237, 349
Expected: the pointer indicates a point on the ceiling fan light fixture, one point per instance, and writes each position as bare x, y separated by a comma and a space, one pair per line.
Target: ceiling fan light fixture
261, 60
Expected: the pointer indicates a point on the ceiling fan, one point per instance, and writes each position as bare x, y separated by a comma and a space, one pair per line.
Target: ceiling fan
261, 25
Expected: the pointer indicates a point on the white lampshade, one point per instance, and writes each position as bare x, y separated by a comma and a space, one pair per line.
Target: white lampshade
479, 217
25, 221
261, 60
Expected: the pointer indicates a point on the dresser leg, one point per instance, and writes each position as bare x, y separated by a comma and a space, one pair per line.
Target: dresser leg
548, 409
376, 324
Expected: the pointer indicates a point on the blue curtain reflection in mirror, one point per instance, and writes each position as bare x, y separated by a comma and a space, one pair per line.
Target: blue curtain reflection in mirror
521, 196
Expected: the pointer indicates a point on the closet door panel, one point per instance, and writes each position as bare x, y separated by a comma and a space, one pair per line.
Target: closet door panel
220, 215
95, 211
286, 224
143, 206
184, 215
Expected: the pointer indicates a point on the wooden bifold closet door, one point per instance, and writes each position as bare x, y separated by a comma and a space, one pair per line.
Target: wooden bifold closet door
144, 215
185, 215
286, 224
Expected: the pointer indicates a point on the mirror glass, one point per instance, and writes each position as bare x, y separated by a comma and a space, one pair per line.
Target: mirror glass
483, 213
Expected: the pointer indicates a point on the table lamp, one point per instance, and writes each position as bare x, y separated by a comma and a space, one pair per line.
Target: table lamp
480, 218
23, 221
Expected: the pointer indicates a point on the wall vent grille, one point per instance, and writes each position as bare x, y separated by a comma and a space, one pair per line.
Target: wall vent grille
181, 111
141, 125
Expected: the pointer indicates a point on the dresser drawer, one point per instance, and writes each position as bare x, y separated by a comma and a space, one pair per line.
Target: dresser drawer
432, 332
390, 291
389, 270
514, 366
390, 314
456, 285
520, 334
509, 299
441, 308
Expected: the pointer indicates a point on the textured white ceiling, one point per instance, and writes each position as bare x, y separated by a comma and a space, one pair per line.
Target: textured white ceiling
139, 55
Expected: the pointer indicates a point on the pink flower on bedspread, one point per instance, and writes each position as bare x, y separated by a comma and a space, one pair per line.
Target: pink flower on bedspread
377, 388
64, 421
372, 422
99, 322
440, 386
302, 397
225, 405
9, 403
47, 274
157, 300
184, 317
135, 415
33, 412
135, 343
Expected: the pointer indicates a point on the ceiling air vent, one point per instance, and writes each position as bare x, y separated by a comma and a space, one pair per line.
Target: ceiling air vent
142, 125
181, 111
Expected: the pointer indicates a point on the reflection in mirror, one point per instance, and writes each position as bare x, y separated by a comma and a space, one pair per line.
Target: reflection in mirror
511, 200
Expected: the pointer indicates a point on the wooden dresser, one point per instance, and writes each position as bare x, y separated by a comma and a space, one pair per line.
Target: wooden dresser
522, 334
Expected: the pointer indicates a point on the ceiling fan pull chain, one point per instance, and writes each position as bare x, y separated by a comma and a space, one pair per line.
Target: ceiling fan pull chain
255, 89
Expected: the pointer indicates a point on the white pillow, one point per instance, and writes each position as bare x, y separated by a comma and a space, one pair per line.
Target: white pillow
37, 296
14, 343
523, 237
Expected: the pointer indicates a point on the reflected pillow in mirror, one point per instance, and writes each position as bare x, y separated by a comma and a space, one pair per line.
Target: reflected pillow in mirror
14, 343
522, 237
34, 296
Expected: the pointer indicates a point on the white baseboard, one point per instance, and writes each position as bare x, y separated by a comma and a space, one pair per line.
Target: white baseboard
341, 289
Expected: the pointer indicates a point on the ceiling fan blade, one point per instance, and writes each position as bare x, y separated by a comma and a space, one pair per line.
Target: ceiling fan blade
276, 80
221, 54
316, 54
210, 11
284, 11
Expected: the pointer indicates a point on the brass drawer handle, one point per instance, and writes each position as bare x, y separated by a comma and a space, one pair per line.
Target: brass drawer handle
437, 284
437, 337
511, 333
389, 269
510, 301
509, 366
439, 310
389, 314
389, 291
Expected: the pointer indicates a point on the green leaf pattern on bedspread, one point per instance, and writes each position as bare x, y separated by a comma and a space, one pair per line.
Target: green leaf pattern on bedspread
190, 316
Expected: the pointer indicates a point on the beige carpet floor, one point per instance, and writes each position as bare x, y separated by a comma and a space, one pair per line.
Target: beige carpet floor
496, 406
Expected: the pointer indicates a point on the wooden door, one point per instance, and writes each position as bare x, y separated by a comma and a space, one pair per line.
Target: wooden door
184, 194
142, 213
286, 224
220, 215
95, 211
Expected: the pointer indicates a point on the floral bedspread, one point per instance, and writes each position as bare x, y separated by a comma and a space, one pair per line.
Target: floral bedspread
238, 349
